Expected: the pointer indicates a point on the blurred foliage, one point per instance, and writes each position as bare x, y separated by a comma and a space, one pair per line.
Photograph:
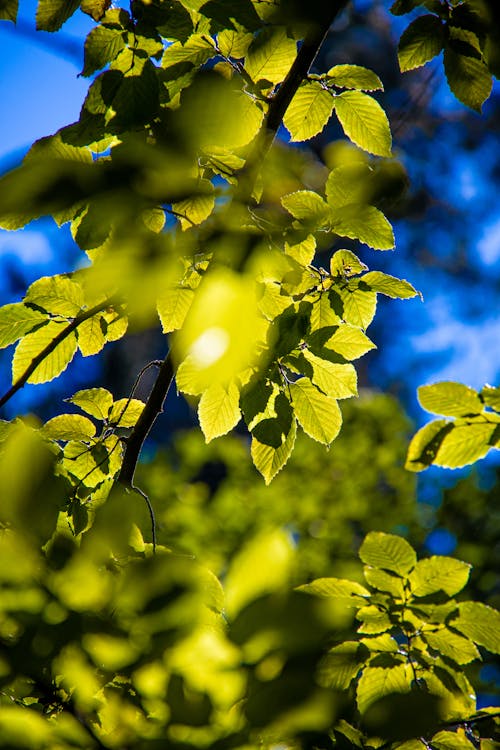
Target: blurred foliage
208, 498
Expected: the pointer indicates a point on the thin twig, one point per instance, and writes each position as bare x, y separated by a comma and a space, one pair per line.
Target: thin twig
80, 318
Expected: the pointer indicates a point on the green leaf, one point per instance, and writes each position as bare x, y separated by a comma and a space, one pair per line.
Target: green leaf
8, 10
136, 99
34, 343
345, 263
364, 223
318, 415
269, 460
453, 646
359, 303
468, 78
337, 588
302, 252
424, 444
377, 682
219, 410
354, 77
420, 42
350, 342
195, 209
322, 314
102, 45
56, 294
94, 401
439, 573
480, 623
270, 55
197, 51
388, 552
450, 399
340, 665
173, 306
389, 285
95, 8
464, 444
364, 122
384, 581
125, 412
373, 620
16, 320
90, 335
306, 205
309, 111
51, 14
233, 43
338, 381
349, 183
451, 741
69, 427
491, 397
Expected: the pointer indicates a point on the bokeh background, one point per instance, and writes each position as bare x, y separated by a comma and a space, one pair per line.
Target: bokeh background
447, 226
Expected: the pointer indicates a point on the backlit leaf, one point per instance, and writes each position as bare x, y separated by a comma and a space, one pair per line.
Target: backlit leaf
464, 444
450, 399
307, 205
16, 320
340, 665
480, 623
233, 43
173, 306
322, 314
354, 77
439, 573
268, 460
384, 581
377, 682
270, 55
359, 303
451, 741
364, 223
349, 183
125, 412
8, 10
219, 410
389, 285
195, 209
350, 342
102, 45
491, 397
388, 552
337, 588
56, 294
338, 381
309, 111
364, 122
318, 415
34, 343
69, 427
424, 444
468, 78
460, 650
420, 42
90, 336
345, 263
94, 401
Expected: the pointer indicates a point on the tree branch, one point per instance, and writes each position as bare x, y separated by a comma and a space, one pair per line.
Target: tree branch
82, 317
153, 407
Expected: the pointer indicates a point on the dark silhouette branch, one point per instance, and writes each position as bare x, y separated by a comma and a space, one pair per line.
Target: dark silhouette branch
66, 331
153, 407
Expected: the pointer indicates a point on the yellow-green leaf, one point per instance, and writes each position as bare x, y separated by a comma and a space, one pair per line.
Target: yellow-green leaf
338, 381
322, 314
420, 42
268, 460
354, 77
306, 205
340, 665
270, 55
359, 304
16, 320
69, 427
195, 209
389, 552
125, 412
345, 263
90, 336
350, 342
491, 397
468, 78
464, 444
364, 223
234, 43
384, 581
439, 573
450, 399
173, 306
34, 343
389, 285
451, 741
318, 415
308, 112
94, 401
219, 410
461, 650
337, 588
480, 623
349, 183
377, 682
364, 122
424, 444
56, 294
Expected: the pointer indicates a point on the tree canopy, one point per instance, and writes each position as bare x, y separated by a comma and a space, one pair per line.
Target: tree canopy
197, 213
